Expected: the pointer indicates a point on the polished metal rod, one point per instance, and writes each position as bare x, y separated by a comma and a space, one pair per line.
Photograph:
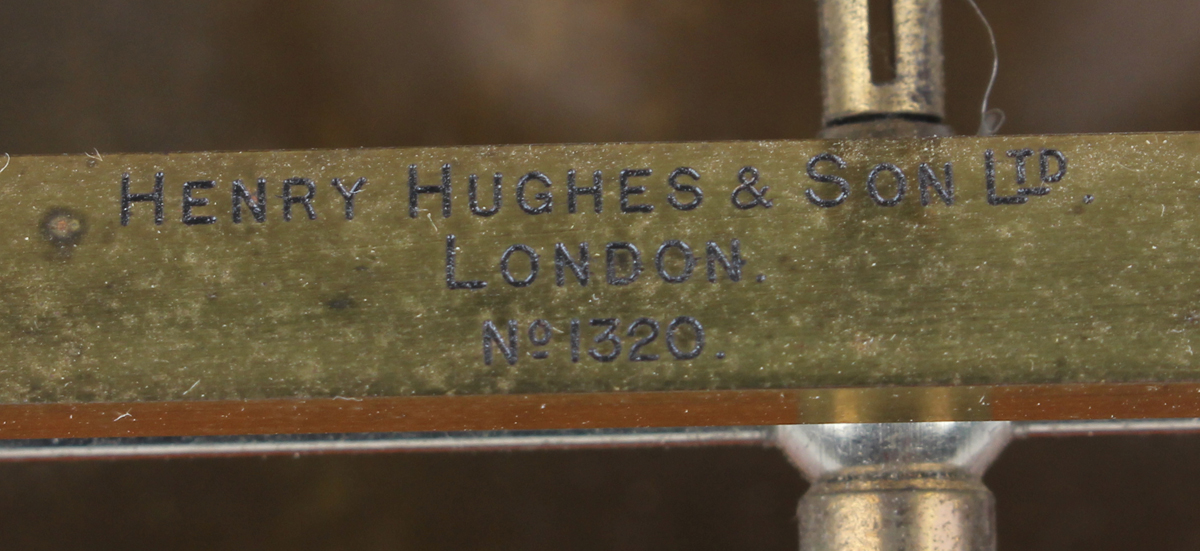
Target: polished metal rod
92, 448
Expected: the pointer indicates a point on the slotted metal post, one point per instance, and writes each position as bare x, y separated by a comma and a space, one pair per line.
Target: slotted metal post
857, 104
891, 486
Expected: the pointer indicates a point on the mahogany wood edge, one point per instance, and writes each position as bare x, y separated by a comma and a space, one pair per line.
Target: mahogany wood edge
595, 411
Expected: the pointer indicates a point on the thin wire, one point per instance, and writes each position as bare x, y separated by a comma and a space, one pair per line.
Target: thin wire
990, 120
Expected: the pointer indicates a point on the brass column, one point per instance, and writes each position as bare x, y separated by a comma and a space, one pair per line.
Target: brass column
906, 101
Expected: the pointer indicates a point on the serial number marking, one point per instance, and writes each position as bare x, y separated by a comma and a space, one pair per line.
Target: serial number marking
683, 336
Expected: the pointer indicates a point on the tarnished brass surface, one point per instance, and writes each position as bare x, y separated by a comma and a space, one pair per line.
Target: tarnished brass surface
1061, 289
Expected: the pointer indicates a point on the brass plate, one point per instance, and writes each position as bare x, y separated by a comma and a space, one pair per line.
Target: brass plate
1088, 280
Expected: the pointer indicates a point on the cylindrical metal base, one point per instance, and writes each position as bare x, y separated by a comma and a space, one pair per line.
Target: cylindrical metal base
896, 486
915, 509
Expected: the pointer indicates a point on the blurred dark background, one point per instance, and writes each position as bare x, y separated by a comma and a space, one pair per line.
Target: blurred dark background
144, 75
141, 75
